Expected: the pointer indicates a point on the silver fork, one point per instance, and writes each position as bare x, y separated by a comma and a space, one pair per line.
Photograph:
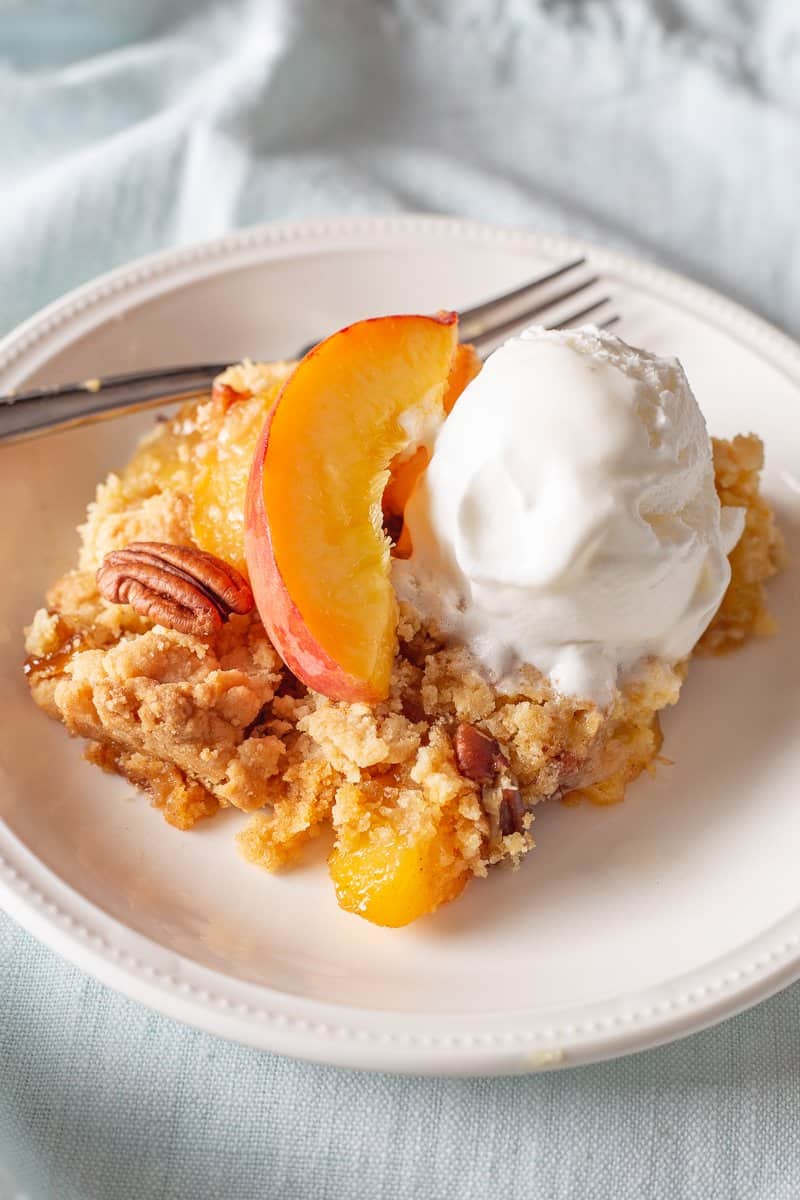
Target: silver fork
46, 410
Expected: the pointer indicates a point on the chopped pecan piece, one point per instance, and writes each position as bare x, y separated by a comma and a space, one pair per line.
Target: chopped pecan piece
512, 811
478, 756
178, 586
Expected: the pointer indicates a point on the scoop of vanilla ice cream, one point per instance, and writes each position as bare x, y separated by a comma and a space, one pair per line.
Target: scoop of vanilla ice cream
568, 517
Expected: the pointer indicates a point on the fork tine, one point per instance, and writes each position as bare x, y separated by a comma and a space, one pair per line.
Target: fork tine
479, 311
491, 333
583, 312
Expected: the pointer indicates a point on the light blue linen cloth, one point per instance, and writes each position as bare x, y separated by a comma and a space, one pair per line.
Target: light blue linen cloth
672, 128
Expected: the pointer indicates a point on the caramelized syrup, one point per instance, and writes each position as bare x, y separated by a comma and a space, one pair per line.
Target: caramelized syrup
45, 666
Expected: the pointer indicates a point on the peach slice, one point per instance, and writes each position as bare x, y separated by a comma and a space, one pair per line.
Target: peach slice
316, 552
465, 367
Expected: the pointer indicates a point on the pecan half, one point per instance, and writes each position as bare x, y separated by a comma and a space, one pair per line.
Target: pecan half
178, 586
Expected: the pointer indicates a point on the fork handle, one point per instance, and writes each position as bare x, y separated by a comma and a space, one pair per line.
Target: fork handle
45, 410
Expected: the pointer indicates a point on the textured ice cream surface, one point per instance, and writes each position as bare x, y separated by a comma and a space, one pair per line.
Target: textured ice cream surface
568, 518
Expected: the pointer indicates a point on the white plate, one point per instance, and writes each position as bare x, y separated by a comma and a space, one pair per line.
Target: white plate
626, 927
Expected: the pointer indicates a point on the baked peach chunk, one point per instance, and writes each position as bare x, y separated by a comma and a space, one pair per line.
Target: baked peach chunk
403, 848
409, 838
317, 554
222, 466
390, 872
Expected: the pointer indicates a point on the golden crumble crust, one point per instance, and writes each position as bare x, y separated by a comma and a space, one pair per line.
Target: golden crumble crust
758, 555
252, 378
302, 799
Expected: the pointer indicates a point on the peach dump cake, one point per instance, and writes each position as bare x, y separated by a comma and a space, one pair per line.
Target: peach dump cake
389, 590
